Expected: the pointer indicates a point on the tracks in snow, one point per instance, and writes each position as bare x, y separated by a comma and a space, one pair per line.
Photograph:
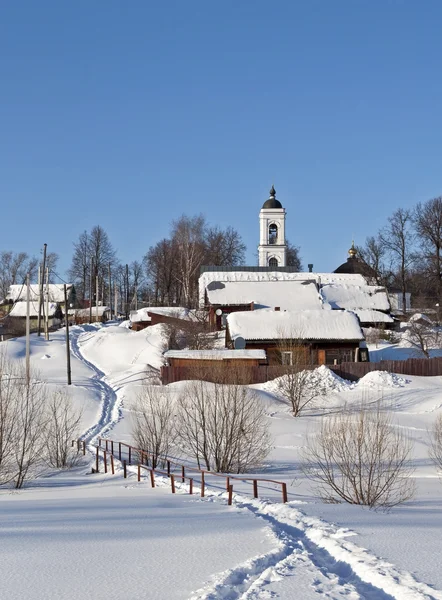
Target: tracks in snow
110, 404
319, 556
315, 553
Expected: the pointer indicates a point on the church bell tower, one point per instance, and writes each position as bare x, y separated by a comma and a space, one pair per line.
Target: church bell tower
272, 249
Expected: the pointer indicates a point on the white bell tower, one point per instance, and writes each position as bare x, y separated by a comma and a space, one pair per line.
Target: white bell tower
272, 249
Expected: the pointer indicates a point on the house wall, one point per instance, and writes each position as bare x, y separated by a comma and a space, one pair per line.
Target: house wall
315, 353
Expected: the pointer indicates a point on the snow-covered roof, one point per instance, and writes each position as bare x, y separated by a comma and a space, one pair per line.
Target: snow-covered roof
268, 324
216, 354
355, 296
84, 312
288, 295
254, 276
178, 312
56, 292
372, 316
19, 309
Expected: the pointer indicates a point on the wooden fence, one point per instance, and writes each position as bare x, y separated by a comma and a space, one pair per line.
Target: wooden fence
108, 449
424, 367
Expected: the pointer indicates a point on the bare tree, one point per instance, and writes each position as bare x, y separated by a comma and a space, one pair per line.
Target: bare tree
373, 254
62, 424
223, 247
398, 237
222, 426
422, 335
96, 245
8, 417
188, 236
296, 386
360, 458
293, 258
435, 450
173, 265
428, 223
14, 266
153, 427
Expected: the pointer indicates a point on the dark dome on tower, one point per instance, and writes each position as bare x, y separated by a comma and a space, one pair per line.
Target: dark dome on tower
272, 202
355, 266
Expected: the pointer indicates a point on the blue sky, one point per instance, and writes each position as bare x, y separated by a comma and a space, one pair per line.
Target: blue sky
129, 114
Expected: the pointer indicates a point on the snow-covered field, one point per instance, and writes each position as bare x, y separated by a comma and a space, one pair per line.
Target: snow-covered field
75, 534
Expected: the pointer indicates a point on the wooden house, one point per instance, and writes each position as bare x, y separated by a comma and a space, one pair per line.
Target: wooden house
222, 365
326, 336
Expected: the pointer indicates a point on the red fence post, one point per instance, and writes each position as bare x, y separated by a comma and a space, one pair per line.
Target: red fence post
284, 492
130, 455
119, 450
105, 460
172, 483
183, 474
99, 441
152, 478
112, 446
97, 460
106, 445
229, 501
78, 445
112, 465
255, 488
227, 483
84, 448
202, 484
139, 472
190, 486
168, 468
124, 469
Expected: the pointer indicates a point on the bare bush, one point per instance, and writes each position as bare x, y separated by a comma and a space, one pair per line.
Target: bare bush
423, 335
435, 450
22, 421
30, 425
153, 422
62, 424
360, 458
222, 426
296, 387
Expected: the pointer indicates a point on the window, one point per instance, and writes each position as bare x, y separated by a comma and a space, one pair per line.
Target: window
338, 356
273, 234
273, 262
286, 358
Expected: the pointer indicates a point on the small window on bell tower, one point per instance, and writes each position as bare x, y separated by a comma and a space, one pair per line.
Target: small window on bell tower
273, 262
273, 234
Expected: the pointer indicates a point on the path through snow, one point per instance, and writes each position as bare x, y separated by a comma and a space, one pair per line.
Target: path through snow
312, 557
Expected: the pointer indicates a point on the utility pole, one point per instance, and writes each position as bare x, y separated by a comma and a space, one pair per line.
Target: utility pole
110, 291
91, 279
47, 305
68, 349
40, 291
28, 330
96, 298
127, 291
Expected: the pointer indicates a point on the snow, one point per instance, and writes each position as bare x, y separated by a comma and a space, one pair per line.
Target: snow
372, 316
208, 277
216, 354
267, 324
367, 297
85, 312
72, 534
56, 292
288, 295
178, 312
19, 309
